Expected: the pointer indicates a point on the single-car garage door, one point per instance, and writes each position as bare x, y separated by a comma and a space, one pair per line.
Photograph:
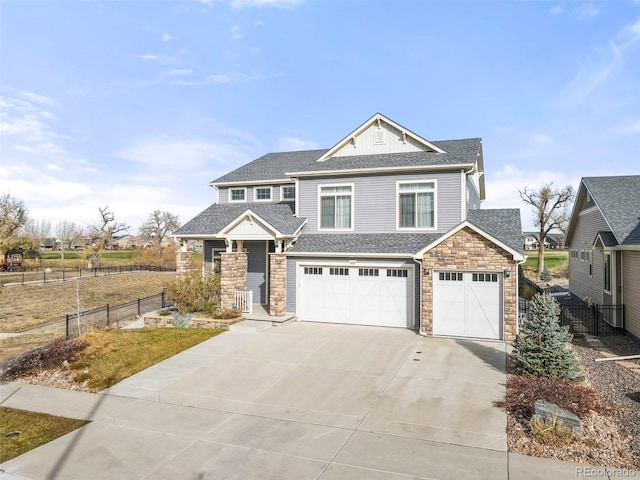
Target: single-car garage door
467, 304
356, 295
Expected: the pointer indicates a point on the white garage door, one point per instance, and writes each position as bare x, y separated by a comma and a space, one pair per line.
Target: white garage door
467, 304
356, 295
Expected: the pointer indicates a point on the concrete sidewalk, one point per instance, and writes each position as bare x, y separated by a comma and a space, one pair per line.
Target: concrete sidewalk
301, 401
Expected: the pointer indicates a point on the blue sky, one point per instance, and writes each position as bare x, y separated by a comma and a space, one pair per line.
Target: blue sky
139, 105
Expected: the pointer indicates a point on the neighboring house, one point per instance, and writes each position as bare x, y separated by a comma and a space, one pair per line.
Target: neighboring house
384, 228
603, 239
531, 241
124, 242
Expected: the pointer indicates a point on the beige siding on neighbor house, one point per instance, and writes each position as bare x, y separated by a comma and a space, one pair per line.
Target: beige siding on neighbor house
631, 291
587, 287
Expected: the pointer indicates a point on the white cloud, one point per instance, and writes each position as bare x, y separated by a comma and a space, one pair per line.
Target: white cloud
182, 154
556, 10
219, 78
56, 168
150, 57
630, 126
288, 144
585, 10
235, 32
167, 37
601, 68
264, 3
176, 72
542, 139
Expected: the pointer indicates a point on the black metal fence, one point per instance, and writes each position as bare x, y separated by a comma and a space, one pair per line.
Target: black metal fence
48, 275
105, 317
593, 319
589, 319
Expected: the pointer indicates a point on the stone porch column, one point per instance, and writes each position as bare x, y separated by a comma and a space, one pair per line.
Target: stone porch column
183, 262
277, 283
233, 276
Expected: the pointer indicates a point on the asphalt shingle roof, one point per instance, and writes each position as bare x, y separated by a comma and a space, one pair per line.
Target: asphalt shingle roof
374, 243
608, 239
275, 166
219, 215
503, 224
619, 201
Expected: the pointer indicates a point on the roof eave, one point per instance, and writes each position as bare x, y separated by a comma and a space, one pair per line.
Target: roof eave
408, 168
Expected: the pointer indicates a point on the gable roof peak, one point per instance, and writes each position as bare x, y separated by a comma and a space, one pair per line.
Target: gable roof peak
377, 120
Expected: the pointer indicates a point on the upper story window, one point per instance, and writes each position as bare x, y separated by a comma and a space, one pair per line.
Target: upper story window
416, 204
288, 192
237, 194
336, 207
263, 194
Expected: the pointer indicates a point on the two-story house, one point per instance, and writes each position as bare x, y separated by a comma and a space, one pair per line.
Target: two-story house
603, 239
384, 228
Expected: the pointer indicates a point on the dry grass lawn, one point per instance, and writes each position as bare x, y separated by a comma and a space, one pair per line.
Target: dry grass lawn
29, 306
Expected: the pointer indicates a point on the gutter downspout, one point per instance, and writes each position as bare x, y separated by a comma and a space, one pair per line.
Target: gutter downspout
419, 263
518, 296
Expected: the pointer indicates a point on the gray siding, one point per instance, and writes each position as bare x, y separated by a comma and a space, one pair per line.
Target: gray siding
291, 284
208, 247
375, 201
473, 200
223, 193
585, 286
257, 270
631, 291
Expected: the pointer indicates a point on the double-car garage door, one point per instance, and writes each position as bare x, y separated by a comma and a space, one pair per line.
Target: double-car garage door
361, 295
465, 304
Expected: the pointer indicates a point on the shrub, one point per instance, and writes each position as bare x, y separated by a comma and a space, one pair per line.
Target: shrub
226, 313
540, 348
49, 356
551, 431
195, 293
575, 397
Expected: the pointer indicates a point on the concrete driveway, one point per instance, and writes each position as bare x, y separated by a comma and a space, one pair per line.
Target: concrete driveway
300, 401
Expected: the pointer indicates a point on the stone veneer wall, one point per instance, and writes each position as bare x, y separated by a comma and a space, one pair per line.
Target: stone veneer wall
469, 251
183, 263
233, 276
277, 283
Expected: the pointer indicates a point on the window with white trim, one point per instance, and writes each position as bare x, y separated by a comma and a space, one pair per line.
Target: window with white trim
263, 194
336, 207
607, 272
416, 205
237, 194
485, 277
288, 192
368, 272
397, 272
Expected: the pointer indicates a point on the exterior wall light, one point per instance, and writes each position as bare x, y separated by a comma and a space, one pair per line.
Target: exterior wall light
427, 271
507, 273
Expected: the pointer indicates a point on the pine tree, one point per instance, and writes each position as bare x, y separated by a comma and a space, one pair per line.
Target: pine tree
540, 348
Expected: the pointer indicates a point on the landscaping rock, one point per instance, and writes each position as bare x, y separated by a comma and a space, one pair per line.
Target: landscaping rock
547, 410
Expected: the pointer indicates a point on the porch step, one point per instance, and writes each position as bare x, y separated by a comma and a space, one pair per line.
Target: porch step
250, 326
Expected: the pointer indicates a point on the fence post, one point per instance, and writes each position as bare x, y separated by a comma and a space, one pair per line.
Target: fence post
162, 296
67, 327
64, 270
108, 319
22, 278
138, 307
44, 277
594, 319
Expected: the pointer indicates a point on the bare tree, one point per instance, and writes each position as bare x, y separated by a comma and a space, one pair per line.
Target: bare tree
13, 216
67, 232
157, 226
102, 233
35, 232
550, 208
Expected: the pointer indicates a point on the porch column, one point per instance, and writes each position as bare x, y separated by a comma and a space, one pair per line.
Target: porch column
277, 283
183, 261
233, 277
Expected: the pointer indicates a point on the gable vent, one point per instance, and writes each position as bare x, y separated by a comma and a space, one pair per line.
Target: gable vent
378, 136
